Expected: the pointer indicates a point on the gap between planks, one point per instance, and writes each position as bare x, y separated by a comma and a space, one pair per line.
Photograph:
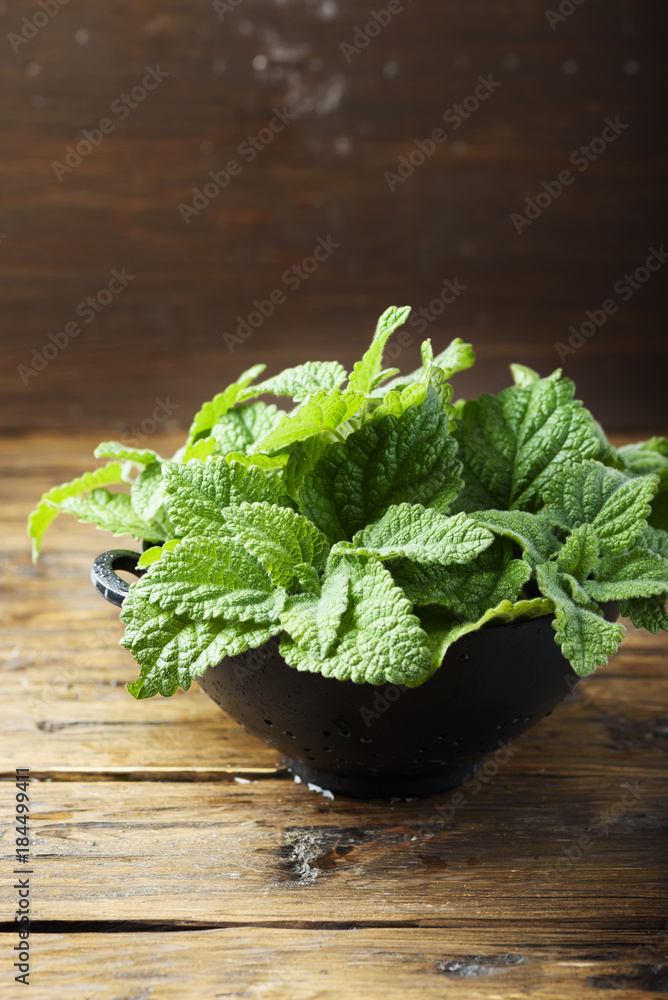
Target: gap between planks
112, 773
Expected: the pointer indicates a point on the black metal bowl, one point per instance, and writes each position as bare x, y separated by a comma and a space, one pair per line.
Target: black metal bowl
370, 741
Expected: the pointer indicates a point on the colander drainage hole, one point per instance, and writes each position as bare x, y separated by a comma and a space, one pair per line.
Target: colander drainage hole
268, 722
326, 732
343, 732
291, 735
326, 749
365, 739
501, 725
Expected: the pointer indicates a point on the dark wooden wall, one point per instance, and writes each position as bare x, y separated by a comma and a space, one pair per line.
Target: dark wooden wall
323, 176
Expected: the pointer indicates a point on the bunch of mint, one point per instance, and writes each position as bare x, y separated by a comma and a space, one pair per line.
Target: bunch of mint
376, 522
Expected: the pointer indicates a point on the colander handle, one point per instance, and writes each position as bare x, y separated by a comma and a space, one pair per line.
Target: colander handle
106, 581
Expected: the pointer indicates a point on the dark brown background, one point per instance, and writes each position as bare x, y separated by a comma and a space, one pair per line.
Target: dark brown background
324, 175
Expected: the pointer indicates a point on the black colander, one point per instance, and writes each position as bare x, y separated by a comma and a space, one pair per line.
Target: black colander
370, 741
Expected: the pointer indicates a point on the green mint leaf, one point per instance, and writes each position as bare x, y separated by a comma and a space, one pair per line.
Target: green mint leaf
196, 493
240, 428
533, 532
411, 458
319, 414
422, 535
210, 413
443, 628
114, 449
268, 463
313, 620
647, 612
172, 650
148, 491
656, 540
376, 639
308, 578
456, 357
524, 376
50, 504
579, 555
204, 578
278, 537
383, 377
513, 444
616, 506
113, 512
470, 589
301, 381
151, 555
303, 456
635, 573
365, 371
585, 637
645, 458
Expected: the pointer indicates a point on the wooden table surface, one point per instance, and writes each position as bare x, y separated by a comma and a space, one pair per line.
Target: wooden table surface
173, 857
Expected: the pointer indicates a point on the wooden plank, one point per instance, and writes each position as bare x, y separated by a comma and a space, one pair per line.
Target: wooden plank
579, 848
325, 174
482, 963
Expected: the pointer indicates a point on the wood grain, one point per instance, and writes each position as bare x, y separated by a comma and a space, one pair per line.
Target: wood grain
173, 856
369, 964
324, 175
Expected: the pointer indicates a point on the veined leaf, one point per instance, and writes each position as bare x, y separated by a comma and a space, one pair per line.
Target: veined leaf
513, 444
616, 506
205, 578
50, 505
365, 371
241, 427
491, 578
524, 376
279, 539
148, 491
533, 532
650, 457
422, 535
319, 414
113, 512
635, 573
411, 458
211, 412
301, 381
579, 556
121, 452
647, 612
456, 357
196, 493
376, 640
585, 637
172, 650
